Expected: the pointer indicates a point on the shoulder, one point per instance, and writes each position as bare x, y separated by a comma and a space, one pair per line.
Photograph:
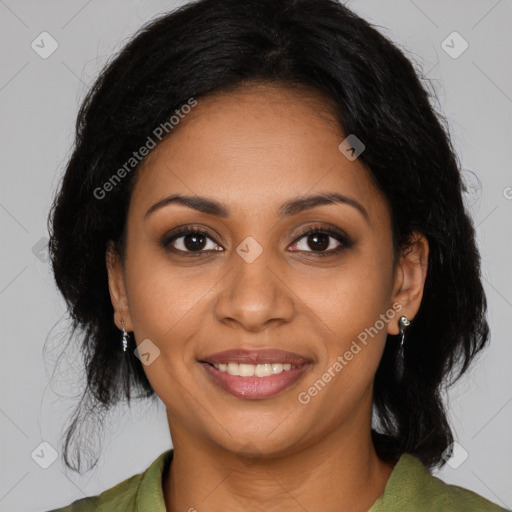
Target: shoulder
412, 487
448, 497
119, 497
130, 494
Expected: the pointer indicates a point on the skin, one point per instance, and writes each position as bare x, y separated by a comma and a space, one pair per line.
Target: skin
252, 150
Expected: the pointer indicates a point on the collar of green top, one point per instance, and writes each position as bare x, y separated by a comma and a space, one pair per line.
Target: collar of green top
410, 487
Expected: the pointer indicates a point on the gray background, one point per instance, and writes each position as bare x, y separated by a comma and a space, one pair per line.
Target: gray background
39, 100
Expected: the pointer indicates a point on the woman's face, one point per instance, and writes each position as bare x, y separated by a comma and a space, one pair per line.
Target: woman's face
253, 280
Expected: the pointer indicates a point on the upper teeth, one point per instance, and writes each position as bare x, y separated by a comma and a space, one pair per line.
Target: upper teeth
251, 370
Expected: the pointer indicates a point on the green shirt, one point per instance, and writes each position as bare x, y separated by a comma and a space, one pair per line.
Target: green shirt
410, 488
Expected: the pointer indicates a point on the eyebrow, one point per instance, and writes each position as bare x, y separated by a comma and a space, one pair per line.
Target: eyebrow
294, 206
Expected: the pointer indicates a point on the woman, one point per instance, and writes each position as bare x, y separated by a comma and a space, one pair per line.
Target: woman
263, 202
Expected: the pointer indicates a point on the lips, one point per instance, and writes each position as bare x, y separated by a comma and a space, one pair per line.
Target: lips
256, 357
255, 387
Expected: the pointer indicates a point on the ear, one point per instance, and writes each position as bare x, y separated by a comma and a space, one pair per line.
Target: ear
117, 288
409, 280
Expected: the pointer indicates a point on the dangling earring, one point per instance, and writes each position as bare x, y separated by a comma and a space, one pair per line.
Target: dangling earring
125, 337
403, 323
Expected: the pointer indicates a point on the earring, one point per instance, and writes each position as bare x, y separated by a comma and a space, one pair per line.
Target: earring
403, 323
125, 337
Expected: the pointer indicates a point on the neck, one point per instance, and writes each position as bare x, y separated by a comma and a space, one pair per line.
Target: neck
338, 472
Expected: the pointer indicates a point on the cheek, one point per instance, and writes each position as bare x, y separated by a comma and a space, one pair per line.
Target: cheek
351, 342
350, 297
168, 309
350, 309
164, 309
165, 303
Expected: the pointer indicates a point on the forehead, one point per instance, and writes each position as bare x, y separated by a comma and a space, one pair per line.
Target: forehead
253, 149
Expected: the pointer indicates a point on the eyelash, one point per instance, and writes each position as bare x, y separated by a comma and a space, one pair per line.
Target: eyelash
339, 236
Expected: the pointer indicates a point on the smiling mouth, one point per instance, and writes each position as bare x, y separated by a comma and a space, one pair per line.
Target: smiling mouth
258, 382
255, 374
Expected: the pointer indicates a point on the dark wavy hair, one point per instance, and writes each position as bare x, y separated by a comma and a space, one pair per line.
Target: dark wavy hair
212, 46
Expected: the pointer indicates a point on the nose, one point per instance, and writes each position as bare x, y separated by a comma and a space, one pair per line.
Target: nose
254, 296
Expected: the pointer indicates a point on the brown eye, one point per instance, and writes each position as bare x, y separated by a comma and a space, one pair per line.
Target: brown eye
190, 240
322, 242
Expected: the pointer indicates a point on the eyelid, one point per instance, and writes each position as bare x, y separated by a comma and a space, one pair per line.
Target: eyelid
329, 229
